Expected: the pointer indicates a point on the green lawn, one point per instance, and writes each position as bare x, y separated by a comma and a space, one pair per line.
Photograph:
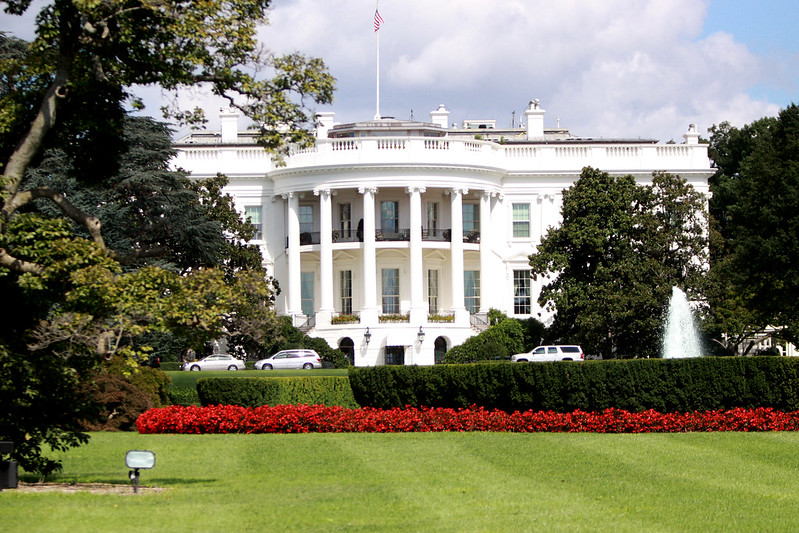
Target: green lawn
181, 378
428, 482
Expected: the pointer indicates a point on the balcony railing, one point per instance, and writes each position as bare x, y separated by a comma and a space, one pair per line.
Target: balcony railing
437, 235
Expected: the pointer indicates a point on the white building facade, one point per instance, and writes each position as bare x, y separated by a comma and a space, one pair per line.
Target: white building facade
392, 239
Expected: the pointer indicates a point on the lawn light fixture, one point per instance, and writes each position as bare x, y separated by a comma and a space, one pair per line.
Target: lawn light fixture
367, 336
138, 459
420, 334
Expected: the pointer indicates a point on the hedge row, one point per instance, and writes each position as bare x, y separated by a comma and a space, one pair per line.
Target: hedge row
254, 392
664, 385
316, 418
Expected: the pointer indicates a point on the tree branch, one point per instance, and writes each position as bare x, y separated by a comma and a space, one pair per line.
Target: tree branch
19, 265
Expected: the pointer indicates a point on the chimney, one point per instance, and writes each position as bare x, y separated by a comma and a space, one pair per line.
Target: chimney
324, 121
229, 121
535, 121
440, 117
691, 136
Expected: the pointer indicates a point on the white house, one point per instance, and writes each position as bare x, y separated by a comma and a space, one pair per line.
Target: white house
392, 239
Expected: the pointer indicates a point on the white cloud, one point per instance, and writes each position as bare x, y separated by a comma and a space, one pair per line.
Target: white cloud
615, 68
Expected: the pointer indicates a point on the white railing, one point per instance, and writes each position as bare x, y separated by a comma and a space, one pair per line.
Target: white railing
450, 151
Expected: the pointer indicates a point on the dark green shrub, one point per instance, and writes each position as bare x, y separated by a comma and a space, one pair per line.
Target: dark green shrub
671, 385
253, 392
183, 396
501, 340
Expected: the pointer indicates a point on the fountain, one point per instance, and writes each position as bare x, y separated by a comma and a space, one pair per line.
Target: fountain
681, 336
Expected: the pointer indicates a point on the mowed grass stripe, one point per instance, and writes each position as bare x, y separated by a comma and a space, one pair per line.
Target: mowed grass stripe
430, 482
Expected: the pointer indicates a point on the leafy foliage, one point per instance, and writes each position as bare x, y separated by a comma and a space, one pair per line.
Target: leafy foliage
754, 206
95, 231
610, 266
502, 339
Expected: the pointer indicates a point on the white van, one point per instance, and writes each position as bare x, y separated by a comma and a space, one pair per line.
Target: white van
551, 353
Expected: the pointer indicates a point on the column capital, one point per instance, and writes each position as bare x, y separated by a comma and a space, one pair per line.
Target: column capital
364, 190
323, 192
413, 189
459, 190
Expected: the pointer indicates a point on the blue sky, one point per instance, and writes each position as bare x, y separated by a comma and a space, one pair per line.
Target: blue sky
615, 68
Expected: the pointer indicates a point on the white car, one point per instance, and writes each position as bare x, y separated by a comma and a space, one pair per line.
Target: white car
551, 353
217, 361
283, 359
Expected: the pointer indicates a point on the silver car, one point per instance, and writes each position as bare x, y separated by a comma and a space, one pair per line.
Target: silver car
283, 359
217, 361
551, 353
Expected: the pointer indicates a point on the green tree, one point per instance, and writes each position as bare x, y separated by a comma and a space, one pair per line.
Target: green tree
754, 206
610, 266
81, 287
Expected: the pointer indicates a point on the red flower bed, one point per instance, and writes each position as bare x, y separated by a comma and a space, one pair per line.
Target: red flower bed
316, 418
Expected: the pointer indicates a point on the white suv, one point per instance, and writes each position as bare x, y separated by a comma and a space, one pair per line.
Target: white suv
551, 353
306, 359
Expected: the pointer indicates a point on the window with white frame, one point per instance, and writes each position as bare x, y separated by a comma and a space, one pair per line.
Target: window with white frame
346, 292
306, 218
389, 217
521, 292
432, 291
471, 218
345, 219
252, 213
521, 220
306, 293
432, 218
390, 292
471, 290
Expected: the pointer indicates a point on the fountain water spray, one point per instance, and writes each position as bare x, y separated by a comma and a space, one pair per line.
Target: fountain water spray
681, 336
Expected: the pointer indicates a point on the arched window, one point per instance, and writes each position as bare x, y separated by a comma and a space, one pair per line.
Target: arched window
348, 347
440, 349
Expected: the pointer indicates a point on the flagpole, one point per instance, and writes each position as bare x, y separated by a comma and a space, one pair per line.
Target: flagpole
378, 21
377, 84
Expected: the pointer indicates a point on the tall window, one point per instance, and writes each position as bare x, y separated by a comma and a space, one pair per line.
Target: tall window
432, 218
253, 214
471, 290
521, 220
521, 292
345, 219
432, 291
306, 218
346, 292
306, 293
391, 300
471, 218
389, 217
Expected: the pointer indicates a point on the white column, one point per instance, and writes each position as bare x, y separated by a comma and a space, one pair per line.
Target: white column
325, 257
369, 311
456, 254
294, 298
486, 285
418, 311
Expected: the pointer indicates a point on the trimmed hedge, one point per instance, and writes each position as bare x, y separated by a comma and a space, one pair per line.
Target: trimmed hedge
254, 392
664, 385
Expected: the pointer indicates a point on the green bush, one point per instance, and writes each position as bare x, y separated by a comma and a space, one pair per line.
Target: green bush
253, 392
183, 396
501, 340
670, 385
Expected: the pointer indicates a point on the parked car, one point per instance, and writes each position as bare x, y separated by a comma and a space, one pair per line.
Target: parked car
283, 359
217, 361
551, 353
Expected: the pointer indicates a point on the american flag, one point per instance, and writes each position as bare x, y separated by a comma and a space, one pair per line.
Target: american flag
378, 20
